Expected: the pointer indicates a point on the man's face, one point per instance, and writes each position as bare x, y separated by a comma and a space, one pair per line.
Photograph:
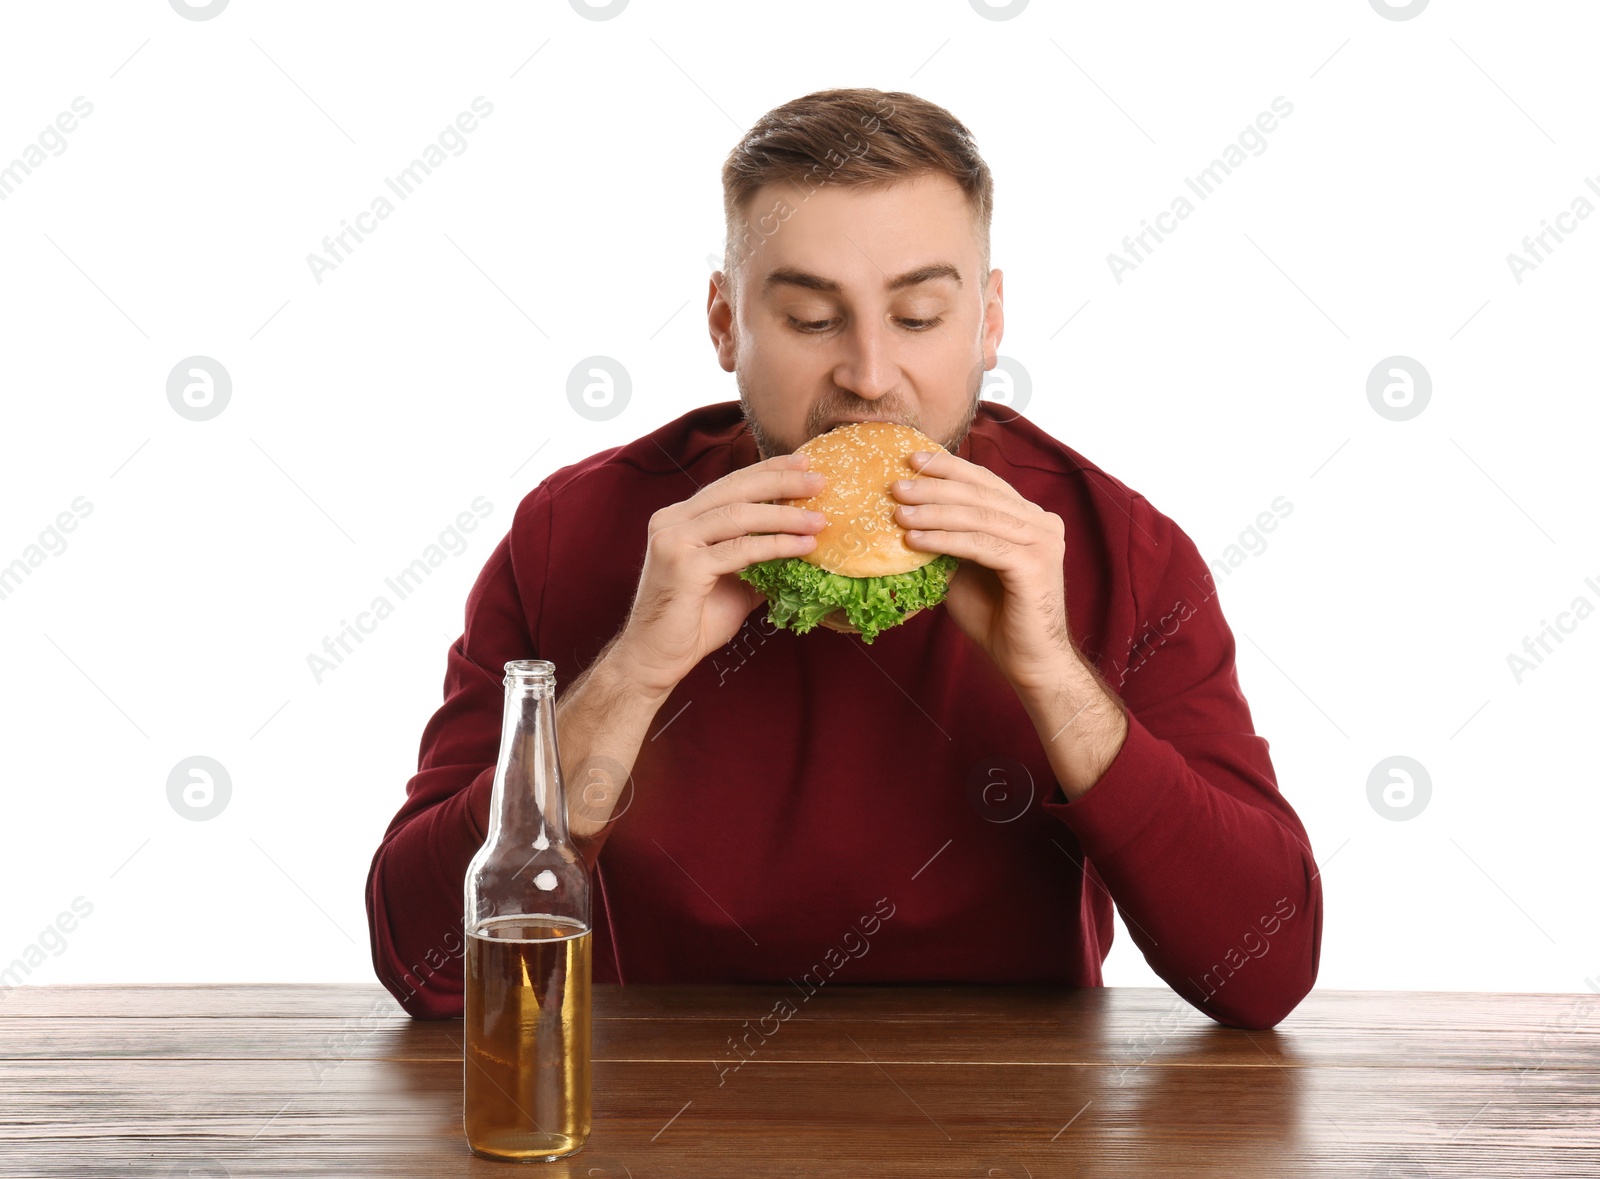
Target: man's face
858, 304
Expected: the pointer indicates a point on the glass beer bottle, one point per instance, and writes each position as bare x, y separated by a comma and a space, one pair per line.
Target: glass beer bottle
527, 971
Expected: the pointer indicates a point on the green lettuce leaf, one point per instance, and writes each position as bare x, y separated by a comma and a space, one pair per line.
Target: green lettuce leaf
799, 594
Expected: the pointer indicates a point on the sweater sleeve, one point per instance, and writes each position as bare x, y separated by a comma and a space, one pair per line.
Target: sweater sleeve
415, 888
1207, 862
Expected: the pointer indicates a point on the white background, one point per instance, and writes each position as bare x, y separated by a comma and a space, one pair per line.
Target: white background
371, 408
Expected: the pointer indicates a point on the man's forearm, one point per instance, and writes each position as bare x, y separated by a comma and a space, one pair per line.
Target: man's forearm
1081, 725
1214, 877
601, 720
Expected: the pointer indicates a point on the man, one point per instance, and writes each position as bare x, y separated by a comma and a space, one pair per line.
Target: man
962, 802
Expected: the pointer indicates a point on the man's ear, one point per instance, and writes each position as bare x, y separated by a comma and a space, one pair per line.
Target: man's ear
994, 317
720, 319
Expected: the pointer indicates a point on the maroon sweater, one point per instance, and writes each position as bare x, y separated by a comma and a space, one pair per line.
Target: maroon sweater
813, 809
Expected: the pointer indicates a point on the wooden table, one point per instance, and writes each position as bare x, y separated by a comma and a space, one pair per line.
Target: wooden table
998, 1082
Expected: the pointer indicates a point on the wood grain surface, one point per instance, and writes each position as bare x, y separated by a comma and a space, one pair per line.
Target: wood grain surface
981, 1082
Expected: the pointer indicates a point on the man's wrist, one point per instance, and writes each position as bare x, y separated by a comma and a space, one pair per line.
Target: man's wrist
620, 679
602, 719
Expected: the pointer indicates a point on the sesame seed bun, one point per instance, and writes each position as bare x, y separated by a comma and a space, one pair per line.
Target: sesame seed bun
862, 538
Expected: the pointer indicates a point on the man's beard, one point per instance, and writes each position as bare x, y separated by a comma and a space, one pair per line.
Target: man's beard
767, 446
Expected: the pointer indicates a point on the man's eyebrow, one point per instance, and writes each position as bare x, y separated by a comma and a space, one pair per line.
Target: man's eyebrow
791, 276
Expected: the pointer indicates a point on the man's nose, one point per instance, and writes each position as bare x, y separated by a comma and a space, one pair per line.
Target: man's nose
869, 367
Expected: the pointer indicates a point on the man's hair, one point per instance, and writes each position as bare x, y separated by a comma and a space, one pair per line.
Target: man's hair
859, 138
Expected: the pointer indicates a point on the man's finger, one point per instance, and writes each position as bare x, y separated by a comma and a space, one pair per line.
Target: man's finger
953, 491
944, 472
724, 523
945, 464
780, 477
977, 518
981, 548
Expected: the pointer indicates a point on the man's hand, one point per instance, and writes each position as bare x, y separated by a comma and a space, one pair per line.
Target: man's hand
690, 600
1007, 594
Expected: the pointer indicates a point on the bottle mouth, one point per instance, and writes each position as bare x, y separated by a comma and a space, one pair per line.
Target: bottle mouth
530, 670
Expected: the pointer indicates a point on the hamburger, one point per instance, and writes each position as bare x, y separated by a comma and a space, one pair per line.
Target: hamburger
861, 577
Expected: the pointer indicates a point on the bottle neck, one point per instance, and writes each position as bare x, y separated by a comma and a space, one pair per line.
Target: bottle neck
528, 805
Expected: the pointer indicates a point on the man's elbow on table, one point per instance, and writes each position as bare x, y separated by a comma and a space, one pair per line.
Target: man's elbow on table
417, 957
1262, 1002
425, 1006
423, 993
1254, 1013
430, 987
